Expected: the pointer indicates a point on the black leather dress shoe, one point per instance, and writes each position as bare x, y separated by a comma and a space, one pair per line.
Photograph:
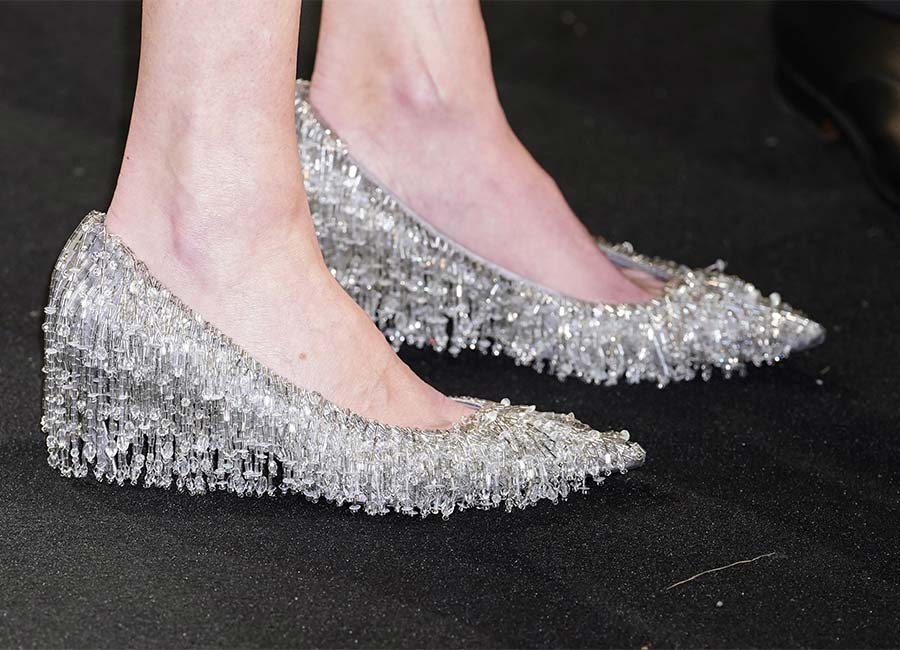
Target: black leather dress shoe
839, 64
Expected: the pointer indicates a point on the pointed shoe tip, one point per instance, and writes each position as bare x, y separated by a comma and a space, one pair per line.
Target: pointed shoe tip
639, 457
812, 336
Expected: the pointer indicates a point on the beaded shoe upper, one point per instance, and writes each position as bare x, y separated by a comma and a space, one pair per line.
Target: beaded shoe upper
423, 289
140, 388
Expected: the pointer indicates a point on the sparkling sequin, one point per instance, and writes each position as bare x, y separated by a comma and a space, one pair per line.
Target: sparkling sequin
140, 389
423, 289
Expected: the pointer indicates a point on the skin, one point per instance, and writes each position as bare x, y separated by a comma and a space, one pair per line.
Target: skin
210, 197
408, 85
210, 194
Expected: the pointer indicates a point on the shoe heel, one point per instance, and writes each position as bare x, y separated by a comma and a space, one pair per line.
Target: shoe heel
89, 431
116, 405
84, 427
799, 98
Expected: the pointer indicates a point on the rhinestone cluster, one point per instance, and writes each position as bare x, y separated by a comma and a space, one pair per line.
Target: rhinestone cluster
139, 388
423, 289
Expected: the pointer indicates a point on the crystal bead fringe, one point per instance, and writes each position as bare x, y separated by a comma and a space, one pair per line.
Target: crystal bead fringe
422, 289
138, 388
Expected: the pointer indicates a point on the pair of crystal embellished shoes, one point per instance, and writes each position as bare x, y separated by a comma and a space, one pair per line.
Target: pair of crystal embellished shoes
140, 388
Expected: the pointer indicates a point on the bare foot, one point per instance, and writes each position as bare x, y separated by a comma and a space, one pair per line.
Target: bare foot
425, 120
274, 297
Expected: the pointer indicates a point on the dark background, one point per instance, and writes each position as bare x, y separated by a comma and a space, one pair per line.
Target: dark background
661, 125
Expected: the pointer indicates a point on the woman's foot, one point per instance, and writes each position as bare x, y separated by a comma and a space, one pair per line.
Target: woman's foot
423, 117
274, 297
210, 197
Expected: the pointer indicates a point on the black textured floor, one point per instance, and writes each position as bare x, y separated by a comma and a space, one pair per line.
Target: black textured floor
660, 124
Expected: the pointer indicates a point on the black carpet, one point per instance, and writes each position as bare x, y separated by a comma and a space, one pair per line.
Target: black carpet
660, 123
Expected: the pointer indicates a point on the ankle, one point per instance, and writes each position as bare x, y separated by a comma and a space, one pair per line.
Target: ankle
402, 97
175, 244
210, 212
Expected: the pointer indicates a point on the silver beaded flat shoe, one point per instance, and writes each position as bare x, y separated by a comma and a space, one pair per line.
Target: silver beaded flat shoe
139, 387
424, 289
